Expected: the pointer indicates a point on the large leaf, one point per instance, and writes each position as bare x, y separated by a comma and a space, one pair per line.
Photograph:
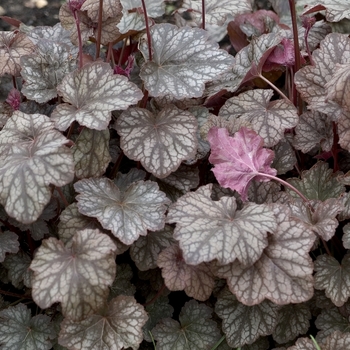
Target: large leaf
216, 11
337, 340
283, 274
245, 324
91, 93
196, 330
239, 159
333, 277
33, 156
268, 119
13, 45
183, 61
196, 280
129, 213
77, 275
118, 326
91, 153
209, 230
161, 142
45, 69
18, 330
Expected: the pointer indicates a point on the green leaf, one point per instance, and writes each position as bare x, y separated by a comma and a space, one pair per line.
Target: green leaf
118, 326
245, 324
196, 330
18, 330
122, 283
77, 275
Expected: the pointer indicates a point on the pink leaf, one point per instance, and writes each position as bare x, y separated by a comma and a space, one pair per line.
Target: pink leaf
239, 159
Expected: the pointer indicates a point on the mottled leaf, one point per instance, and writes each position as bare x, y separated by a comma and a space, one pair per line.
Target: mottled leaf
91, 153
18, 330
303, 344
129, 213
144, 252
183, 61
336, 10
18, 269
33, 156
333, 278
123, 181
216, 11
338, 341
122, 283
55, 33
8, 244
285, 158
346, 236
13, 45
269, 119
196, 280
45, 69
91, 93
294, 319
161, 142
314, 129
111, 8
195, 331
118, 326
239, 159
283, 274
245, 324
209, 230
77, 276
318, 183
133, 16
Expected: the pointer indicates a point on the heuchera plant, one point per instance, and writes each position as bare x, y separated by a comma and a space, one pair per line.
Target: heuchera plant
159, 190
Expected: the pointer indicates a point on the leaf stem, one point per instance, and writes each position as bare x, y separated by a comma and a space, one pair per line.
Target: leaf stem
153, 342
147, 31
274, 87
218, 343
15, 295
203, 14
315, 342
122, 52
77, 23
159, 293
99, 29
326, 246
117, 165
64, 200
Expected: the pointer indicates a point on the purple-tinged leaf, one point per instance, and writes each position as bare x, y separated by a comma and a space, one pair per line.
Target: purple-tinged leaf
183, 61
245, 324
116, 327
285, 158
333, 277
111, 8
78, 276
196, 330
336, 10
8, 244
122, 283
18, 330
13, 45
283, 274
269, 119
196, 280
144, 252
92, 92
129, 213
239, 159
160, 142
209, 230
91, 153
33, 156
338, 341
303, 344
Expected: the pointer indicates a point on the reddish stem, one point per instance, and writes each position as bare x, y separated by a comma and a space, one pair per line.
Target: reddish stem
159, 293
77, 23
99, 29
15, 295
147, 31
203, 14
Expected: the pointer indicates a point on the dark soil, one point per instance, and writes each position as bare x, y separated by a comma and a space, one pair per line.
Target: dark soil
27, 11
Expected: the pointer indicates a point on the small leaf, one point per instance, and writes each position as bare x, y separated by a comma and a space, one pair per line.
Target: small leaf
122, 283
13, 45
118, 326
33, 156
144, 252
160, 142
92, 92
196, 280
91, 153
18, 330
269, 119
129, 213
196, 330
239, 159
216, 11
285, 158
18, 269
183, 61
245, 324
336, 10
317, 183
209, 230
333, 278
77, 275
8, 244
